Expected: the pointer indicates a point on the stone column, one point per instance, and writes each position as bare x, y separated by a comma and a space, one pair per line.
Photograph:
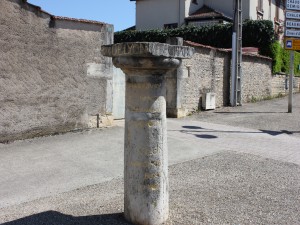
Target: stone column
146, 200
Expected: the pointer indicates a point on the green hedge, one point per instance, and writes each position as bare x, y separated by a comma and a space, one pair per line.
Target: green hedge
297, 64
281, 59
258, 33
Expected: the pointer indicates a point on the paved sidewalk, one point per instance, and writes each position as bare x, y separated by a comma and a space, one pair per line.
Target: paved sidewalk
270, 116
243, 173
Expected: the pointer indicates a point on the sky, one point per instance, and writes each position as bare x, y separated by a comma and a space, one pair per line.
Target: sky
120, 13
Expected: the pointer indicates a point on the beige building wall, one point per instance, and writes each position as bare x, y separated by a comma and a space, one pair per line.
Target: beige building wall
191, 7
154, 14
226, 6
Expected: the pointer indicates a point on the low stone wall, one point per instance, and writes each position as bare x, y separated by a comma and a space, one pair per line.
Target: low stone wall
53, 77
280, 84
256, 77
209, 71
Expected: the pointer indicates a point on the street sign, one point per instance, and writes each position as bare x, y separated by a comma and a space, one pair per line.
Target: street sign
292, 44
292, 15
292, 24
293, 5
289, 44
292, 33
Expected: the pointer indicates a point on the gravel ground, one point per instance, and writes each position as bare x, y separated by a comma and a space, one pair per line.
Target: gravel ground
265, 115
225, 188
222, 188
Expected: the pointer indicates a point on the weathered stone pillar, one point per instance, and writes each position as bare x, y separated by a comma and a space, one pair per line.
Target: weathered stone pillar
146, 156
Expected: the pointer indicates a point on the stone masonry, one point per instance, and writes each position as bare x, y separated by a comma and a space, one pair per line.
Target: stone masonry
209, 71
53, 77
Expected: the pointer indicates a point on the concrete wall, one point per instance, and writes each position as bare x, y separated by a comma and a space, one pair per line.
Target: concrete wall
53, 77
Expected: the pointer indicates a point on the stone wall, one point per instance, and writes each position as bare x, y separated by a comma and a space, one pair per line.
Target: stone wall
256, 77
280, 84
53, 77
205, 72
209, 71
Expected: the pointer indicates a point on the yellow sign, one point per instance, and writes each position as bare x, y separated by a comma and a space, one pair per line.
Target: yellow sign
292, 44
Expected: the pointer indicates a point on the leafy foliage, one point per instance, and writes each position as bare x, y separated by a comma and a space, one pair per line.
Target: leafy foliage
258, 33
297, 64
281, 59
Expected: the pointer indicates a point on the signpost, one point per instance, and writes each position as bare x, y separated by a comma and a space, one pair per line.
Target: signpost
292, 32
292, 44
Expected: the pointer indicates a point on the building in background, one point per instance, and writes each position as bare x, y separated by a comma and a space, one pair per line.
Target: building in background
164, 14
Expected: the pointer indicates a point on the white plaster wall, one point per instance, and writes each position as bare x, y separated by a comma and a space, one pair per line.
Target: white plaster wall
267, 10
253, 13
227, 7
246, 9
153, 14
191, 7
281, 12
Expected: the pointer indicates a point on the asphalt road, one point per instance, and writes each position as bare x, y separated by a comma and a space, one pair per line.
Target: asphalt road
228, 166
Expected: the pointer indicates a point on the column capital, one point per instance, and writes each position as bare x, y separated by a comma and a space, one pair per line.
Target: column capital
147, 49
146, 55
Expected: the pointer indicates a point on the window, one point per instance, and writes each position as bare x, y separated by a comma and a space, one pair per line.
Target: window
279, 4
260, 10
260, 5
170, 25
277, 21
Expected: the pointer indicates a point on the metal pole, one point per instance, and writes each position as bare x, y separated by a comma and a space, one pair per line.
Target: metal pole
239, 53
290, 106
236, 70
233, 95
233, 71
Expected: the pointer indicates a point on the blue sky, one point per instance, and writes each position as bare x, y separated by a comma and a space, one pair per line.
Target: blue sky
120, 13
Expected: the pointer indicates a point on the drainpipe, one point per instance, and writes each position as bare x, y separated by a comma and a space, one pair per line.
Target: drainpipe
179, 9
270, 9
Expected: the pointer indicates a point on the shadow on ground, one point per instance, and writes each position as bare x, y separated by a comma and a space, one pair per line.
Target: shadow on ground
57, 218
195, 129
255, 112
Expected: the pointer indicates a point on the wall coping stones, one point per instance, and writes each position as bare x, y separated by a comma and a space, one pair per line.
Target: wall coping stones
53, 17
197, 45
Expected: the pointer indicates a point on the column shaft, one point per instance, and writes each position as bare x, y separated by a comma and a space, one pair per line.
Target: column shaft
146, 163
